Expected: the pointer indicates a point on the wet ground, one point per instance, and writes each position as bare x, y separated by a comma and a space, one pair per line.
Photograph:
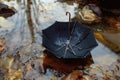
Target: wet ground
24, 51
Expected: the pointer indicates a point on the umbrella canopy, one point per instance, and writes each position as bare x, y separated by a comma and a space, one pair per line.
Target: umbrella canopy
75, 41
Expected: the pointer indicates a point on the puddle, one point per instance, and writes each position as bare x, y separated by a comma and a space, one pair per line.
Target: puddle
45, 13
103, 55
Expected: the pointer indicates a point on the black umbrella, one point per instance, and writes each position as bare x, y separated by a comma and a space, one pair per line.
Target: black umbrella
75, 41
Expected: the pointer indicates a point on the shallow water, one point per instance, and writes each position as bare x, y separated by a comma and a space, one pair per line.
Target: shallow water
45, 13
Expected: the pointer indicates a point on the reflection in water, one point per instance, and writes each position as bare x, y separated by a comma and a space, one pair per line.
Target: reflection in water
103, 55
65, 65
29, 19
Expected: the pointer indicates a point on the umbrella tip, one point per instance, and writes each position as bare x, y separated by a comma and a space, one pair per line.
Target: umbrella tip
67, 12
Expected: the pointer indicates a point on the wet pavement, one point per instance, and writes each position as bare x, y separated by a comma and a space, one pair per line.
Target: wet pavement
43, 14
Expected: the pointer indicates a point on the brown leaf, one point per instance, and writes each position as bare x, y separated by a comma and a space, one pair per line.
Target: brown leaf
54, 78
75, 75
13, 74
2, 42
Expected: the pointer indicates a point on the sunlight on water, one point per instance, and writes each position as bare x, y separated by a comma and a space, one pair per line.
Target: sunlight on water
103, 55
6, 23
54, 11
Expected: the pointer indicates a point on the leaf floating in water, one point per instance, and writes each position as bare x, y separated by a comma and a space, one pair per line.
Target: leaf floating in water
54, 78
2, 42
93, 76
6, 62
75, 75
13, 75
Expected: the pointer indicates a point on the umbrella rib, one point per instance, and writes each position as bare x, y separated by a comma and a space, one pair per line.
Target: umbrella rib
61, 47
65, 51
78, 48
81, 48
82, 39
72, 49
84, 48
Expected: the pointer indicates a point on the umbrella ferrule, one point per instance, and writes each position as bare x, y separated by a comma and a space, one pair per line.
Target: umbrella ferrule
68, 42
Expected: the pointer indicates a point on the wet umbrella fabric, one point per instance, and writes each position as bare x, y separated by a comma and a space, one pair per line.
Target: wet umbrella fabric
73, 42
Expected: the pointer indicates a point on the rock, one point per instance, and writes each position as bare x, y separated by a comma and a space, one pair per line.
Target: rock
96, 10
90, 14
